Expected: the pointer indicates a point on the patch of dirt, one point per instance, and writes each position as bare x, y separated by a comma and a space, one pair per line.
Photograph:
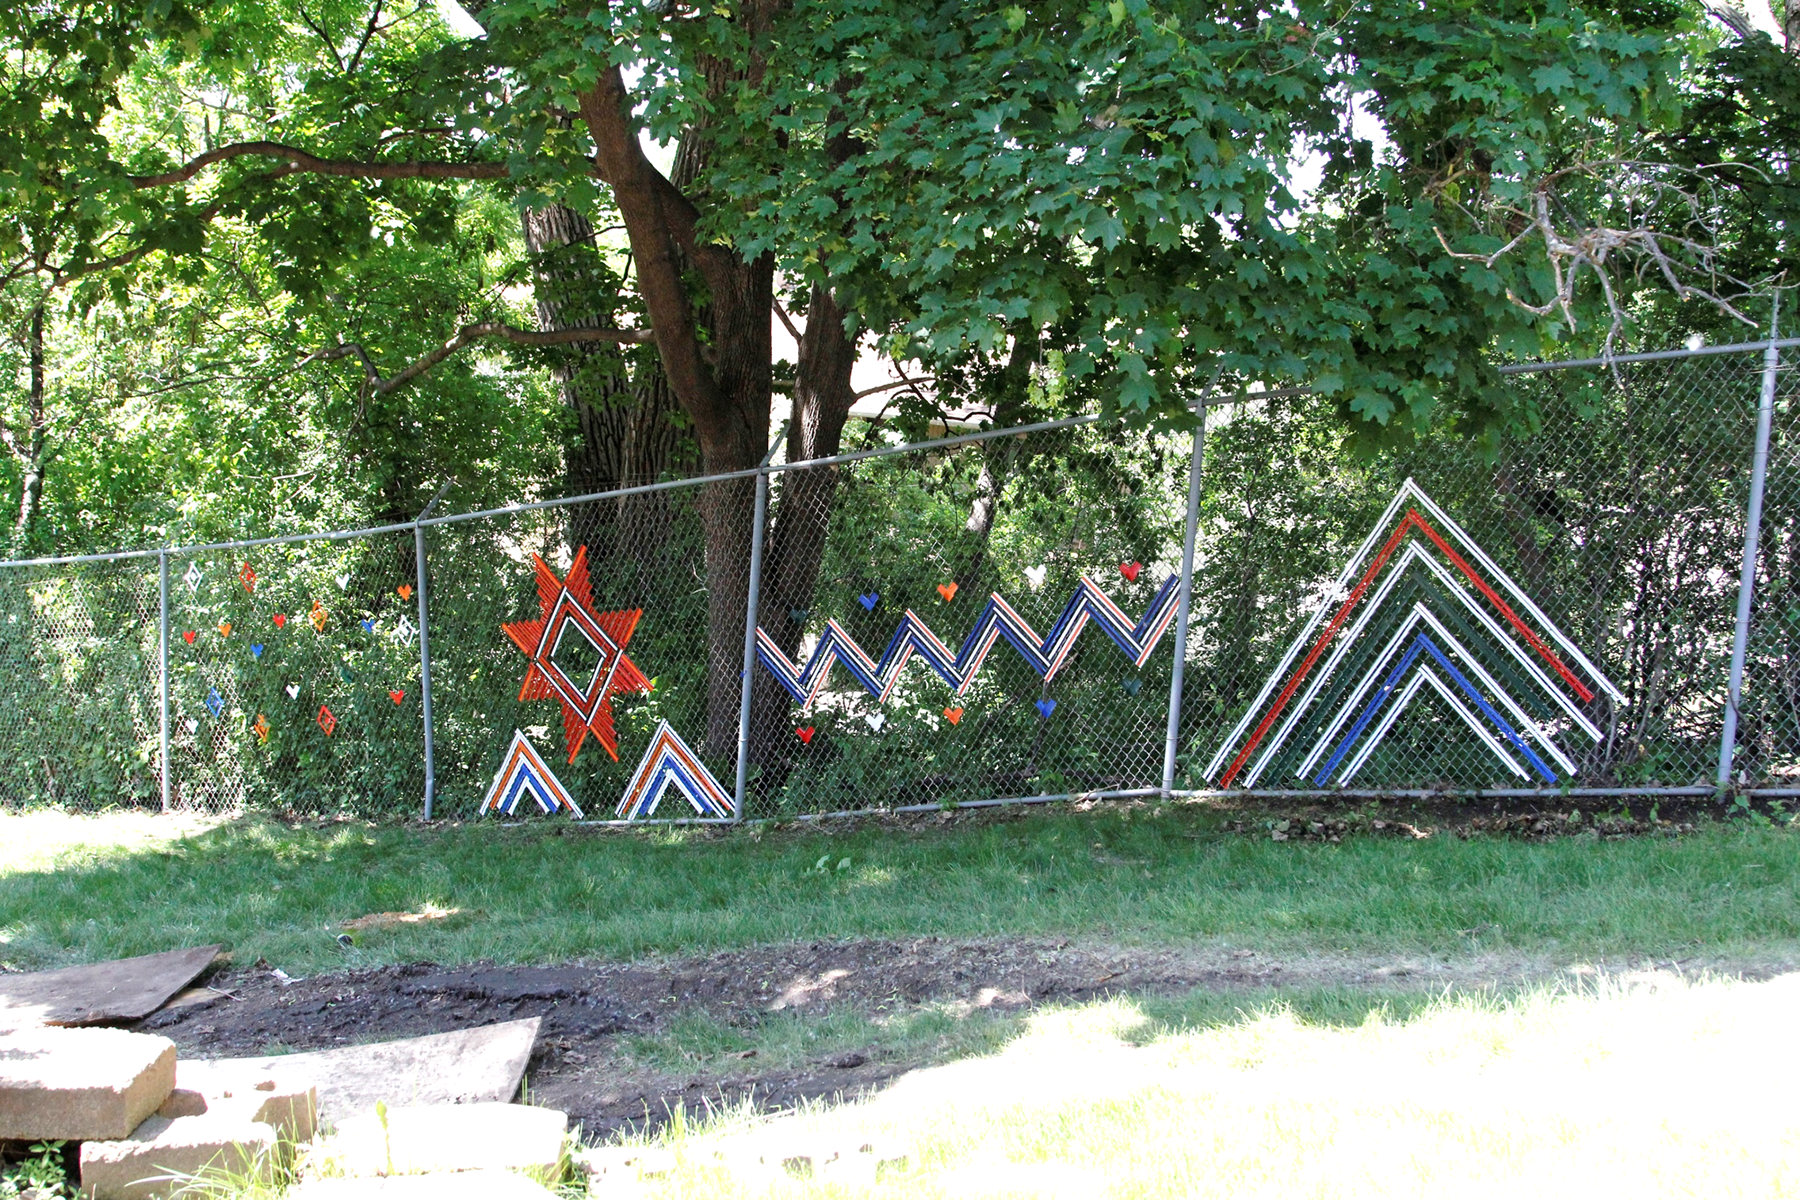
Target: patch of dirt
588, 1010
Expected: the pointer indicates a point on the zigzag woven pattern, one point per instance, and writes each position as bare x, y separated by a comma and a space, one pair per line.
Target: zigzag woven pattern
1046, 655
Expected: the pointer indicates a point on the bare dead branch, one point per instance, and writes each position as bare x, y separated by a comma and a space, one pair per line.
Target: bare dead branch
1670, 232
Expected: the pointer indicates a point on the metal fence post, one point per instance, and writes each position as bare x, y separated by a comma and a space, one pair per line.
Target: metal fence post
1185, 596
162, 672
424, 665
752, 595
1759, 471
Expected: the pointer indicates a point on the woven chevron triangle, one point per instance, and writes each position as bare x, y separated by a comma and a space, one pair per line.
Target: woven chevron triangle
1422, 609
523, 772
1046, 655
670, 763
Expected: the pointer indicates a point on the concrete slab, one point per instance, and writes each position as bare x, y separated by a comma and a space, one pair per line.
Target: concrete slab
162, 1155
125, 989
285, 1101
81, 1083
464, 1185
427, 1138
465, 1066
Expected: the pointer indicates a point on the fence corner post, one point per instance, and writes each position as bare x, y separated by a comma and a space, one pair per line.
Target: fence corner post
1185, 596
1759, 471
162, 671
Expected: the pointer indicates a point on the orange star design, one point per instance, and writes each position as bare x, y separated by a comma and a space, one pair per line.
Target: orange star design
565, 605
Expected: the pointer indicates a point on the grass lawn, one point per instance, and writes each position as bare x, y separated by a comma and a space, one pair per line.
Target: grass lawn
1659, 1088
84, 888
1658, 1085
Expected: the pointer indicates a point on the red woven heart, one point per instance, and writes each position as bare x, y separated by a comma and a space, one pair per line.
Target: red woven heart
1130, 570
397, 697
805, 735
280, 620
189, 637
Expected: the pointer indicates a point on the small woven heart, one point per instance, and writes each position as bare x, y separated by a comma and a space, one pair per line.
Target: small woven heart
405, 591
368, 626
876, 721
1131, 686
193, 725
397, 697
1045, 708
947, 591
256, 649
188, 636
1130, 570
345, 675
280, 620
224, 628
953, 715
343, 581
805, 735
796, 615
1035, 576
293, 691
870, 600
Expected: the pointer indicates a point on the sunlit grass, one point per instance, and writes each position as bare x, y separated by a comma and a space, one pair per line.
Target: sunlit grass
86, 888
1652, 1088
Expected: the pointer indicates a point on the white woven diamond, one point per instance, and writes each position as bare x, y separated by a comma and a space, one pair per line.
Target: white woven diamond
193, 577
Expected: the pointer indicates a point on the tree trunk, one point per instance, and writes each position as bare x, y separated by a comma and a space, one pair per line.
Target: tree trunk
625, 420
31, 452
796, 544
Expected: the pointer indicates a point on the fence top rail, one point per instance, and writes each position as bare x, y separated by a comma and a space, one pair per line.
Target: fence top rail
1650, 356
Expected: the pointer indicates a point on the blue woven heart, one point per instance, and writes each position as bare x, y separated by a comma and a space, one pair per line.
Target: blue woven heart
255, 649
870, 600
1046, 707
368, 626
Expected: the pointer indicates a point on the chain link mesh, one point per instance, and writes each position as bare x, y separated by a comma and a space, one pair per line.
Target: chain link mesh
80, 724
1546, 608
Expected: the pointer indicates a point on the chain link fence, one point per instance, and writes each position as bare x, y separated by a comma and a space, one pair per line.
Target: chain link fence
1548, 606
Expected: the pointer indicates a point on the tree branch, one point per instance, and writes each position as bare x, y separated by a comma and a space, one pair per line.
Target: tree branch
300, 160
374, 383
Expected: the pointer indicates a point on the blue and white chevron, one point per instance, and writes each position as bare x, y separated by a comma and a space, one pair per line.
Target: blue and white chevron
1046, 655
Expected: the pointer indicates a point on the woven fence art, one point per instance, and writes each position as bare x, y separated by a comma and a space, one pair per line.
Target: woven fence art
1559, 606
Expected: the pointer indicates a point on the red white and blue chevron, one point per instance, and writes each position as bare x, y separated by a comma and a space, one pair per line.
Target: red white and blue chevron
1046, 655
523, 772
670, 763
1423, 608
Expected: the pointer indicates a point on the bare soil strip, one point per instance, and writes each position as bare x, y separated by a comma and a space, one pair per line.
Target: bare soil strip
589, 1009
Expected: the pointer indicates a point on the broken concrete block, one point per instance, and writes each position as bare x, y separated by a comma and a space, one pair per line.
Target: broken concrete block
81, 1084
451, 1137
163, 1154
182, 1102
288, 1103
462, 1185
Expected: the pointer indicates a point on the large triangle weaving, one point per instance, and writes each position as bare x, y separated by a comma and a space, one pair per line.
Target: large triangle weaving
523, 773
1423, 611
668, 762
1045, 655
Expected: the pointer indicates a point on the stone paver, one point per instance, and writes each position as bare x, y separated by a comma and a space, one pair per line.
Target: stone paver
140, 1167
80, 1084
462, 1185
451, 1137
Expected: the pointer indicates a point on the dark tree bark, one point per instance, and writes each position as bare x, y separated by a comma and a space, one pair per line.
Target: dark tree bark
802, 519
626, 425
